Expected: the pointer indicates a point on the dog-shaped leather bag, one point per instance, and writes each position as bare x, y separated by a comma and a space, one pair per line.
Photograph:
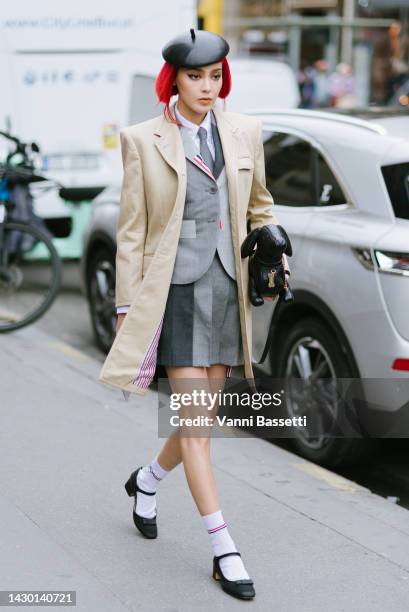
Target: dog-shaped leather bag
265, 247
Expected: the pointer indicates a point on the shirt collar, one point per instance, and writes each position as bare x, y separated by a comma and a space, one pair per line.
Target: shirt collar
206, 123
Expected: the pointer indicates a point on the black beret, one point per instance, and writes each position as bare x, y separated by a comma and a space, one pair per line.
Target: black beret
195, 48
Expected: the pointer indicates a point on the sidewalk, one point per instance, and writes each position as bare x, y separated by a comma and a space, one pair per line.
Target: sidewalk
310, 539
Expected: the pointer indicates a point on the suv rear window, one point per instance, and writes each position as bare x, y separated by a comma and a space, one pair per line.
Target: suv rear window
396, 177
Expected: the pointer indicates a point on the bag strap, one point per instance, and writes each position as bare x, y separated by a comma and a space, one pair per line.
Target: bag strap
272, 328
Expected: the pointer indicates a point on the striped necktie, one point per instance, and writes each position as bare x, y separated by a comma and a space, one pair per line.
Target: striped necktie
204, 148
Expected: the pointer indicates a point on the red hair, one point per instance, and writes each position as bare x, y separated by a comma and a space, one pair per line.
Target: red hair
165, 89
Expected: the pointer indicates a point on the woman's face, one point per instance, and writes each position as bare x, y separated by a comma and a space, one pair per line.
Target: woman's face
199, 87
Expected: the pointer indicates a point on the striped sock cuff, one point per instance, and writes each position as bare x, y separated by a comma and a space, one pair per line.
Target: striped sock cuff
222, 526
157, 471
153, 474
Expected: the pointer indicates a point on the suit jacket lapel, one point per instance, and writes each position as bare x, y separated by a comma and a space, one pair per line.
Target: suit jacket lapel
192, 155
219, 159
171, 146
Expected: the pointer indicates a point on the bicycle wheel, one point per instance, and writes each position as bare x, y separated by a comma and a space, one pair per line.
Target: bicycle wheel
30, 275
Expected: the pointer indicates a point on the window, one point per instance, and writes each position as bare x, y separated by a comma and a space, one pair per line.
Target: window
329, 191
297, 174
396, 177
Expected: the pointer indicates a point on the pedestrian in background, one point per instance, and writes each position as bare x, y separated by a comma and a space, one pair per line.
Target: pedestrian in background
306, 85
342, 87
320, 79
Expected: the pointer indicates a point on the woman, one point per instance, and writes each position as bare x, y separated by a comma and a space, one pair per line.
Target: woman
192, 178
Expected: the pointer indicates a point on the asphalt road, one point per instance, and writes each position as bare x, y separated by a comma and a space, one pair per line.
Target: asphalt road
68, 319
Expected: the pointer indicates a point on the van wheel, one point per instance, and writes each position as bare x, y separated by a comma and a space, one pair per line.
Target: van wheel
310, 351
101, 296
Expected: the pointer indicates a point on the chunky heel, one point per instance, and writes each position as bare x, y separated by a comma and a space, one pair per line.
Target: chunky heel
130, 485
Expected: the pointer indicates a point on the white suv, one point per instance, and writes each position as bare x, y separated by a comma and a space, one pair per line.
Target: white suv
341, 190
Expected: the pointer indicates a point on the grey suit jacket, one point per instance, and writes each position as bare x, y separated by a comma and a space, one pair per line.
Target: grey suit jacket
206, 218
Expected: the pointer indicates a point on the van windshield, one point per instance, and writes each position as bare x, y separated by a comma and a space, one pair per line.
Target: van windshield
396, 177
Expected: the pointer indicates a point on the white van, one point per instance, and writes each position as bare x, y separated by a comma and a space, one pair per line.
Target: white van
74, 74
265, 82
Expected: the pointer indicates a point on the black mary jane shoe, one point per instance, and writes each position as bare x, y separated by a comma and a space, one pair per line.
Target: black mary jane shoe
243, 589
147, 526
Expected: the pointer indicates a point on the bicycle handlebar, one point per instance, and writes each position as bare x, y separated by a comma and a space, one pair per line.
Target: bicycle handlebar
10, 137
21, 147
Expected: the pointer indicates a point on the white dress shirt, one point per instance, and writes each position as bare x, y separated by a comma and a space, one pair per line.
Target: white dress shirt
193, 131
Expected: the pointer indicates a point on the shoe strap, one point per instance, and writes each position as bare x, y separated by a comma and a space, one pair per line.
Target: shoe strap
228, 554
139, 488
145, 492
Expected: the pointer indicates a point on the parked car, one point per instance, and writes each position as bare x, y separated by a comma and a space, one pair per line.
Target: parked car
341, 190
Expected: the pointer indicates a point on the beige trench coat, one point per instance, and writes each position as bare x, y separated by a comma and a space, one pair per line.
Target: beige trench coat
151, 209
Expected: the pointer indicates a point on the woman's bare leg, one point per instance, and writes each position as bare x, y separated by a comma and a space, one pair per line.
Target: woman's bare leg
195, 455
170, 455
194, 452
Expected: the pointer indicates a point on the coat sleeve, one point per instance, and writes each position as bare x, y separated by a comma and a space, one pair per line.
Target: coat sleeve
260, 208
132, 225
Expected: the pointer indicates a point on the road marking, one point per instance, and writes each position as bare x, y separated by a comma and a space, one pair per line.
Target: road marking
69, 351
334, 480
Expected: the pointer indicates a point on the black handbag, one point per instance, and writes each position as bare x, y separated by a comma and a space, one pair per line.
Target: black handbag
266, 269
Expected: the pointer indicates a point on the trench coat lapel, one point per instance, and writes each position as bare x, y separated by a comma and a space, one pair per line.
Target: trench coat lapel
218, 161
229, 138
170, 146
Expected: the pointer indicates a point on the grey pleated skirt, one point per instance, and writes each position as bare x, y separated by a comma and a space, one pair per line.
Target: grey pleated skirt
201, 324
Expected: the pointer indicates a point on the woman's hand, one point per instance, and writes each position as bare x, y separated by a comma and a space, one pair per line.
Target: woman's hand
119, 319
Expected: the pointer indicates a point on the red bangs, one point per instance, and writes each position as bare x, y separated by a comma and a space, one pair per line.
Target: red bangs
165, 90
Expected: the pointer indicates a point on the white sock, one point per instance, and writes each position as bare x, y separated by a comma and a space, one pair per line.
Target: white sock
148, 479
221, 541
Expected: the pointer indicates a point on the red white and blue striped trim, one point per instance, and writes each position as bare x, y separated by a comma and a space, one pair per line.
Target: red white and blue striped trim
199, 161
153, 473
148, 366
215, 529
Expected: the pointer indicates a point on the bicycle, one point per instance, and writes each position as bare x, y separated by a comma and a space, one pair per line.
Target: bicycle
29, 282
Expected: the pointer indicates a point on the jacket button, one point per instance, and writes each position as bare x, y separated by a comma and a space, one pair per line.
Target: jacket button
213, 190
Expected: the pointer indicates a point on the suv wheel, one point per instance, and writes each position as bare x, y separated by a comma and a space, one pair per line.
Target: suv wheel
311, 351
101, 296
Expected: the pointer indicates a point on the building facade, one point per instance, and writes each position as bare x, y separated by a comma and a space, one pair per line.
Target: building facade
369, 35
